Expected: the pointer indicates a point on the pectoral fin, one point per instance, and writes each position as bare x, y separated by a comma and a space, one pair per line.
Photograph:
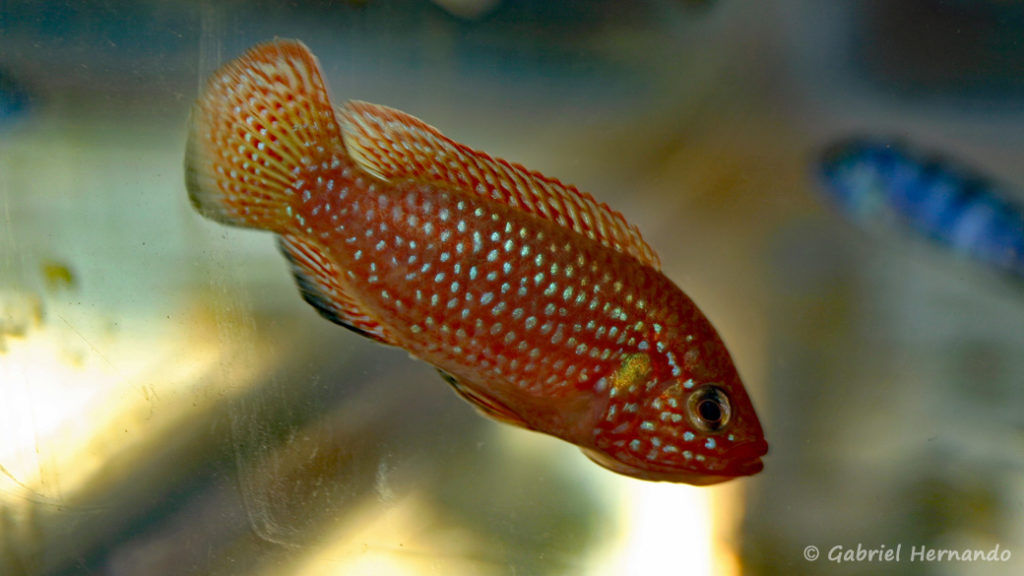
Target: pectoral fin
488, 406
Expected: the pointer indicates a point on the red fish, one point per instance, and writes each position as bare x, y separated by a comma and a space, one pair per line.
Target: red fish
538, 304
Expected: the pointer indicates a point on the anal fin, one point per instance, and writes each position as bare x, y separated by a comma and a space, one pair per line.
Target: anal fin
321, 284
487, 406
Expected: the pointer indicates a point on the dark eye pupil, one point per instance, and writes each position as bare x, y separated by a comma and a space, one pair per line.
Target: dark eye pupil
710, 411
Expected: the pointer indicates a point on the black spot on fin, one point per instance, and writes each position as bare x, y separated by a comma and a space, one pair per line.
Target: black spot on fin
320, 283
448, 378
312, 295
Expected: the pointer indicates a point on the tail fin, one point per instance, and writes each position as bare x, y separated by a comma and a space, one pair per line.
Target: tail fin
261, 131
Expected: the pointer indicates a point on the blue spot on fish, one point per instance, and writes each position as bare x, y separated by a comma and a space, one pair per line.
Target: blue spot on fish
880, 183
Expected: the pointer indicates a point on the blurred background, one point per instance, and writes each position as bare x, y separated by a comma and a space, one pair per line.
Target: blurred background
170, 405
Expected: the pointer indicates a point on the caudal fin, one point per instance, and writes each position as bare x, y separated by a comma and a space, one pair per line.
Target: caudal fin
261, 132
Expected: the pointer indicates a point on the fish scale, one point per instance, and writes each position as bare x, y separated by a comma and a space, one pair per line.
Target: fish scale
482, 269
539, 305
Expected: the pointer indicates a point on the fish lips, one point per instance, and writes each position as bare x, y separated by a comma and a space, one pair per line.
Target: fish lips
745, 459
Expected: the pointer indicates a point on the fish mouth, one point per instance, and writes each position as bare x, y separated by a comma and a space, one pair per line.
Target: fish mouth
746, 458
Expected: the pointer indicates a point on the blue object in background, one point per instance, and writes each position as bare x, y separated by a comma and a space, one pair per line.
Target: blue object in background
14, 100
882, 183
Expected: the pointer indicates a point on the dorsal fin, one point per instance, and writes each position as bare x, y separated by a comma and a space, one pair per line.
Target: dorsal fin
323, 287
391, 145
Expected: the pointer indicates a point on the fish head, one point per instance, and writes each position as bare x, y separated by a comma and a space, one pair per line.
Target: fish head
699, 428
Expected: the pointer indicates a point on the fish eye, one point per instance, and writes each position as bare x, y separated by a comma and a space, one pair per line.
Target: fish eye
709, 409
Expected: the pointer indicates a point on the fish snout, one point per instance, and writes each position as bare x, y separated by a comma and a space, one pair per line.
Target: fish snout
745, 459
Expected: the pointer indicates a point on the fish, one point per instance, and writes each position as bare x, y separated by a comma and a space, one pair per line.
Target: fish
542, 307
884, 184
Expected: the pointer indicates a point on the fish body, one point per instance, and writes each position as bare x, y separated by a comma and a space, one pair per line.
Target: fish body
884, 184
539, 305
